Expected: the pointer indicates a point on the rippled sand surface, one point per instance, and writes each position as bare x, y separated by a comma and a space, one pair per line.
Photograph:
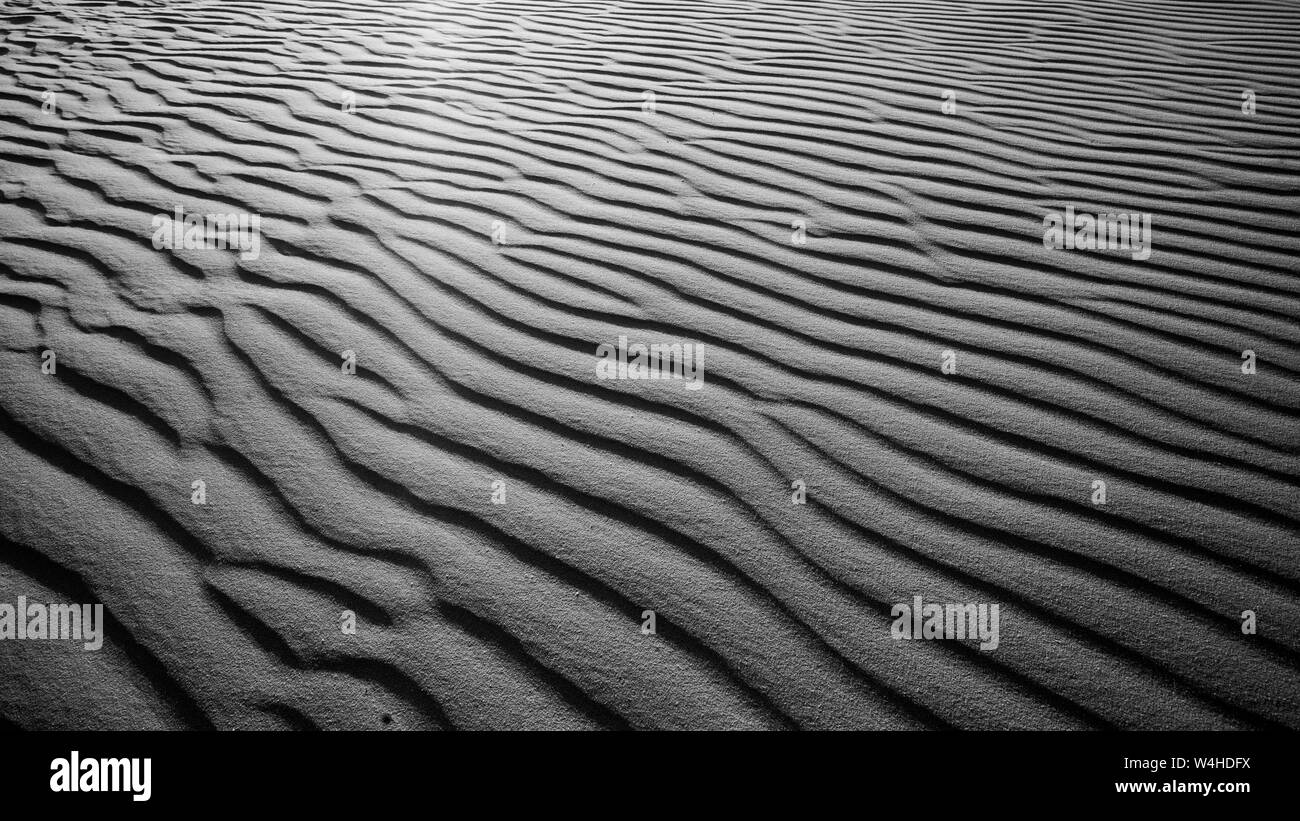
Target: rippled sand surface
471, 197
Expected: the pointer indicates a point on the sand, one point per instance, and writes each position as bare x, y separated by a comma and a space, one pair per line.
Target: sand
843, 203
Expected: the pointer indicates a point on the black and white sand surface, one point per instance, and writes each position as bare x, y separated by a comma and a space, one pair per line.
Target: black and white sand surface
389, 405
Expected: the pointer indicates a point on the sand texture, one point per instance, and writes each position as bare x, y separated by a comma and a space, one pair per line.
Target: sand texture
471, 197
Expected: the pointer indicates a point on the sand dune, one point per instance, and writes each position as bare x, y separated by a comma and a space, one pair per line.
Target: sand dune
471, 197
